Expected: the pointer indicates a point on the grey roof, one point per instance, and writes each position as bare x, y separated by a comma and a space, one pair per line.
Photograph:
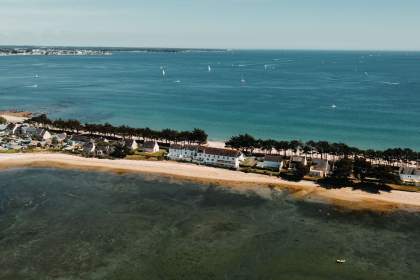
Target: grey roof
184, 147
219, 152
297, 159
319, 164
149, 144
410, 171
129, 142
273, 158
80, 138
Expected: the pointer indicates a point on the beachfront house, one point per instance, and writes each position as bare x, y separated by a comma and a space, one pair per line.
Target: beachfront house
132, 144
219, 157
297, 160
3, 129
89, 148
104, 149
150, 147
182, 152
272, 162
319, 168
410, 176
40, 134
15, 128
60, 138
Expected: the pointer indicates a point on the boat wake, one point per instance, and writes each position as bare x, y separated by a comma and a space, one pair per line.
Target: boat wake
391, 83
32, 86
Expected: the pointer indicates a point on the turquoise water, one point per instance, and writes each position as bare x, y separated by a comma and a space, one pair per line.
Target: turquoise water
287, 94
58, 224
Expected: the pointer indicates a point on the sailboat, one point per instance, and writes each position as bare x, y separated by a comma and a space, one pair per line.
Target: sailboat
209, 68
163, 73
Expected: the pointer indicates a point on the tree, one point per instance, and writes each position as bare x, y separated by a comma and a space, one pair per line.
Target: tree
3, 120
361, 168
120, 151
343, 169
199, 136
299, 171
243, 142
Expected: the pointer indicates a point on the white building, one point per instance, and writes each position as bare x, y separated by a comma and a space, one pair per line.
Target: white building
272, 162
89, 148
206, 155
319, 168
295, 160
182, 152
33, 132
219, 157
410, 176
132, 144
150, 147
60, 137
3, 129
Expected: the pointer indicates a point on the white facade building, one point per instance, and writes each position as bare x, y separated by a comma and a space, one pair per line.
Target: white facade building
206, 155
272, 162
319, 168
132, 144
410, 176
180, 152
150, 147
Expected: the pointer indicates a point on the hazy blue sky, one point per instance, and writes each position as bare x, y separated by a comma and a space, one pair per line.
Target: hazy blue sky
283, 24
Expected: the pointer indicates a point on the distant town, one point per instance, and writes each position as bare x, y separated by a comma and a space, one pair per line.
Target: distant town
21, 51
86, 51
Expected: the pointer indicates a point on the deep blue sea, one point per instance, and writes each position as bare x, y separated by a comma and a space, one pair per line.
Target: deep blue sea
366, 99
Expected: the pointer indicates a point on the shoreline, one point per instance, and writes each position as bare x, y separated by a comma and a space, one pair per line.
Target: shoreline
345, 198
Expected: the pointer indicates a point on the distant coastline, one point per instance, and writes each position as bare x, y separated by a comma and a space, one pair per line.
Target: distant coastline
87, 51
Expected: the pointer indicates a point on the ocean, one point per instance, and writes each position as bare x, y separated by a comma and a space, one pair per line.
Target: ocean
64, 224
365, 99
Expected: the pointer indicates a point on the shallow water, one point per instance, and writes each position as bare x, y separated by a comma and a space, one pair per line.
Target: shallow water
61, 224
287, 94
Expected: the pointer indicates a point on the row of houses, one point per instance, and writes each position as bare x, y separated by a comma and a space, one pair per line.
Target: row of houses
226, 158
318, 167
21, 136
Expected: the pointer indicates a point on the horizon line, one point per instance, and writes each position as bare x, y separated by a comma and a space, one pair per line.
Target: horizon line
215, 49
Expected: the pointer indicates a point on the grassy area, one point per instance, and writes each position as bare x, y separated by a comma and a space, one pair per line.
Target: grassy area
404, 188
9, 151
138, 155
260, 171
248, 162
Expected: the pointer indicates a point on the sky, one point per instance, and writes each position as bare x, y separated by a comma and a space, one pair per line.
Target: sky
237, 24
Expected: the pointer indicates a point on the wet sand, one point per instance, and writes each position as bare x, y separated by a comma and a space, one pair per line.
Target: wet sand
305, 190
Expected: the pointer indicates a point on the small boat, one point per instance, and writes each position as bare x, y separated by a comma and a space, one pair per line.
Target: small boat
163, 73
333, 106
36, 76
341, 261
209, 68
243, 80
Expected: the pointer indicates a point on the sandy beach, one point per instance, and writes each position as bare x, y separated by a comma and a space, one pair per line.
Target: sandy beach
15, 117
305, 190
